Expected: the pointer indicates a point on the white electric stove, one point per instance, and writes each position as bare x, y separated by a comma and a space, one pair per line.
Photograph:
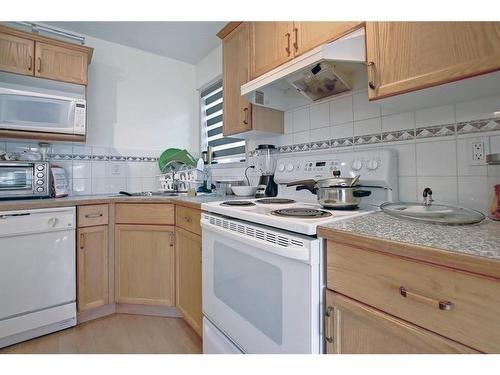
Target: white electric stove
263, 274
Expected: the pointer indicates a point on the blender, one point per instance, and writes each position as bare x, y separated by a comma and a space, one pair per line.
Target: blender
266, 162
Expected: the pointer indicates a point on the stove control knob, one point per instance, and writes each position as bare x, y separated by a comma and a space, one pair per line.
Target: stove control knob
356, 165
372, 164
281, 167
289, 167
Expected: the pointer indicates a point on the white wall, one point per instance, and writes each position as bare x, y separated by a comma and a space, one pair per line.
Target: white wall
209, 68
140, 100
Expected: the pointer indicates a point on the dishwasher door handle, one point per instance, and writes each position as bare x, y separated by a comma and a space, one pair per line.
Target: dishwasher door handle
6, 216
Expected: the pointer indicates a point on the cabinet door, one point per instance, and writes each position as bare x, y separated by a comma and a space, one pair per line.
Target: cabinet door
270, 46
408, 56
308, 35
188, 271
144, 265
92, 267
354, 328
236, 60
61, 64
16, 54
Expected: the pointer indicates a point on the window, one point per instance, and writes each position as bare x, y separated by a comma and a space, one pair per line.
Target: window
225, 149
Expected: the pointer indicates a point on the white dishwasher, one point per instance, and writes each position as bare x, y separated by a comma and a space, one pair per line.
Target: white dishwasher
37, 273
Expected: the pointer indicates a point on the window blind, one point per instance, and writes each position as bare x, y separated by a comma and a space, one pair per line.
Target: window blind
225, 149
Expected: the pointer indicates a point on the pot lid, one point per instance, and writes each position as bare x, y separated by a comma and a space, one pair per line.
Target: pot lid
336, 182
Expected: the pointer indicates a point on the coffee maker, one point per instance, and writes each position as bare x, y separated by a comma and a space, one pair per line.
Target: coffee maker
266, 162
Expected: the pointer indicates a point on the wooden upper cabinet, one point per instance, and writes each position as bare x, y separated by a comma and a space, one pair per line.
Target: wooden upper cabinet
16, 54
236, 63
408, 56
270, 45
62, 64
37, 55
308, 35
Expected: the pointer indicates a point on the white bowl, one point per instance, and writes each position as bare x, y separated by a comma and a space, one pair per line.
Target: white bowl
244, 191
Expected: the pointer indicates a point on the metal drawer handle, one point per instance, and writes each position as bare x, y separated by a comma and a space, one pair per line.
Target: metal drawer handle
30, 66
245, 120
93, 216
287, 48
371, 82
296, 43
328, 324
442, 305
39, 70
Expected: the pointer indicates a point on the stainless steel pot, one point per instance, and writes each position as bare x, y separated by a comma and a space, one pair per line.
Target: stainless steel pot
335, 193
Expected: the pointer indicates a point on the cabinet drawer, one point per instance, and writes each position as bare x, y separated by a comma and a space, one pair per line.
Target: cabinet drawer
144, 213
413, 291
188, 219
91, 215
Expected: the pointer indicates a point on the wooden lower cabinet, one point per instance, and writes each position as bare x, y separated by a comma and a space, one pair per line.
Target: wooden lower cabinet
188, 271
354, 328
145, 264
92, 269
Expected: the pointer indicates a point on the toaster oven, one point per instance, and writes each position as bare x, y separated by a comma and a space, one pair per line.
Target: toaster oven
22, 179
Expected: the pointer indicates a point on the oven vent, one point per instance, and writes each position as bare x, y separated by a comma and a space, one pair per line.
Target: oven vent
259, 233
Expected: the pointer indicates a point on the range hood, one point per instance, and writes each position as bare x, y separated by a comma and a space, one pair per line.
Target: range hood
320, 73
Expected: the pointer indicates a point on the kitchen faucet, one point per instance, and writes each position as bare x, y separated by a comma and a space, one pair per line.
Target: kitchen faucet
427, 194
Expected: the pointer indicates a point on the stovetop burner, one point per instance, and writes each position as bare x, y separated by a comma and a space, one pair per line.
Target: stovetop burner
238, 203
275, 201
302, 213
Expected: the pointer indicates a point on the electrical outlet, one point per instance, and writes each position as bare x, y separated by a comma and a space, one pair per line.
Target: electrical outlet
478, 151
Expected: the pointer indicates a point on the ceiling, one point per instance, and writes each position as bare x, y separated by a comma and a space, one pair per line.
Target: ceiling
185, 41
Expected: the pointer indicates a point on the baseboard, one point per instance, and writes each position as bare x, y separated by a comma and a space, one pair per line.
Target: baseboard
97, 312
167, 311
125, 308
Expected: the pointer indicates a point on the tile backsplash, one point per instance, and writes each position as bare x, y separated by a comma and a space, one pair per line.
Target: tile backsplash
434, 145
99, 170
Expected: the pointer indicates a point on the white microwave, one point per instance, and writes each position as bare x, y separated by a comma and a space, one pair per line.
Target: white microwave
42, 112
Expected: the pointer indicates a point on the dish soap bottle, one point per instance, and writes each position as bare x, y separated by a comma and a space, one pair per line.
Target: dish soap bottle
495, 207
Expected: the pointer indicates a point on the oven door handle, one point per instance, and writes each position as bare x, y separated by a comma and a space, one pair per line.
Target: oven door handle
302, 254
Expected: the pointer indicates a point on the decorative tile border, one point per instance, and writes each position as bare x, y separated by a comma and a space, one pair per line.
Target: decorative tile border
79, 157
468, 127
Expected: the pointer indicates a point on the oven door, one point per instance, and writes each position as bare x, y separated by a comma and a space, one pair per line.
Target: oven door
16, 179
259, 293
31, 111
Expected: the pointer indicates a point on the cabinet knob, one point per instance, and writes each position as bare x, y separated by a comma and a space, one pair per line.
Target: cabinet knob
39, 69
30, 66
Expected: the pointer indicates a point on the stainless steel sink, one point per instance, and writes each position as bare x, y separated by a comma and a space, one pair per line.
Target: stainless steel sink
146, 194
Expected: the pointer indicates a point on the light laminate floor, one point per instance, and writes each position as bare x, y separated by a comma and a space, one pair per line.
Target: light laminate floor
118, 333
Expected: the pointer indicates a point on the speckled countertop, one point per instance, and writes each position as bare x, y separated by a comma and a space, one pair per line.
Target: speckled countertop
481, 239
27, 204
